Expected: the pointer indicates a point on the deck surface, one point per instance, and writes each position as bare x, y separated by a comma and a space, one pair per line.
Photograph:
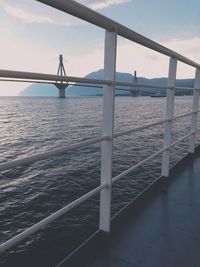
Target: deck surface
165, 232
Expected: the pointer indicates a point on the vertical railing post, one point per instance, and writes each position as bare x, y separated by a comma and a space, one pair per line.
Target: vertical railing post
169, 116
108, 128
195, 111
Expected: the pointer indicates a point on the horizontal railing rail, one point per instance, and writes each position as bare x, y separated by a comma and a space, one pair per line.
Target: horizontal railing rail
5, 166
183, 88
60, 151
184, 137
36, 227
80, 11
19, 76
116, 178
41, 77
12, 74
149, 125
183, 116
50, 153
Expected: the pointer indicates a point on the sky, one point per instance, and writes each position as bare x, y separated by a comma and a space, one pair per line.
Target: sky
33, 35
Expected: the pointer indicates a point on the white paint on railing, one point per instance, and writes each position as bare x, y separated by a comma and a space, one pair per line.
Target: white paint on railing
183, 88
182, 116
12, 74
144, 127
169, 114
80, 11
56, 152
108, 129
50, 154
181, 139
118, 83
184, 137
32, 77
119, 176
20, 237
116, 178
149, 125
195, 110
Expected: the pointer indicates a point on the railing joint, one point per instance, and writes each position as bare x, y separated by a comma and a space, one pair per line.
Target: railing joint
171, 87
169, 119
107, 186
108, 138
167, 148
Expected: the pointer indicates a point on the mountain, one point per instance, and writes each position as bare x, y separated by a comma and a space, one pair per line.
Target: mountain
40, 89
51, 90
88, 91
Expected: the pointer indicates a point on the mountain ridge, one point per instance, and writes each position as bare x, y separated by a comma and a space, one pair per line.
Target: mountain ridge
73, 91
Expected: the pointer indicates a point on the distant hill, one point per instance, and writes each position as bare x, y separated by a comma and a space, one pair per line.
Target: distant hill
51, 90
90, 91
37, 89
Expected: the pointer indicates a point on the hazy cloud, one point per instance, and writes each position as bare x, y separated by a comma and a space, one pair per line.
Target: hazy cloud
104, 3
187, 47
151, 56
26, 16
101, 4
37, 13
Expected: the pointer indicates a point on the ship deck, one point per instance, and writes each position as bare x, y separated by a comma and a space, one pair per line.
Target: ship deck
161, 228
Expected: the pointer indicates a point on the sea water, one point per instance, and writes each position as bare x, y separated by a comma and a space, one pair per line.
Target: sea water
28, 194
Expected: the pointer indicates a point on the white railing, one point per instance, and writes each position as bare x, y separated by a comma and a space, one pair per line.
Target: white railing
105, 189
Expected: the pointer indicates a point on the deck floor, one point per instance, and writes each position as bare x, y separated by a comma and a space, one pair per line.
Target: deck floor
165, 232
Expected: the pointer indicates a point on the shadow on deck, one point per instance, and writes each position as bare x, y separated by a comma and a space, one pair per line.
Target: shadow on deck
161, 228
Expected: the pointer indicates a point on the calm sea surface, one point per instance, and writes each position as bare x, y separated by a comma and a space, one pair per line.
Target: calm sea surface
29, 194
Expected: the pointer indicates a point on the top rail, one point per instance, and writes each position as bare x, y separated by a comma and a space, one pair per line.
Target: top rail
12, 74
80, 11
24, 76
34, 77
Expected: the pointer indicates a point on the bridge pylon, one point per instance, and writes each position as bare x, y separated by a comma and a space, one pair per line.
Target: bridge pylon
61, 85
135, 92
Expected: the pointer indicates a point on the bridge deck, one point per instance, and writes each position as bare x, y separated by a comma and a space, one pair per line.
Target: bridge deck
162, 231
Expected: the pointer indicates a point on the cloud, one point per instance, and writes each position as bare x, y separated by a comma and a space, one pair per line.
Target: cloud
187, 47
36, 57
28, 17
148, 63
37, 13
97, 4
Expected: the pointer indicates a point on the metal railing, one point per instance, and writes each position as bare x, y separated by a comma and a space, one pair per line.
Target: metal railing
112, 30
